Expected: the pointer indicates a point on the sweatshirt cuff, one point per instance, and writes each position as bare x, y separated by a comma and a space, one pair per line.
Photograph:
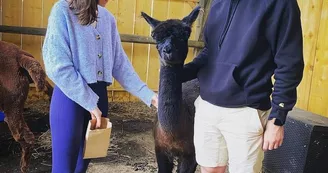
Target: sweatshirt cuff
278, 114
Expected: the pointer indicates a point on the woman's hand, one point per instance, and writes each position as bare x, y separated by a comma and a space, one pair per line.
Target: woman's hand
154, 101
96, 114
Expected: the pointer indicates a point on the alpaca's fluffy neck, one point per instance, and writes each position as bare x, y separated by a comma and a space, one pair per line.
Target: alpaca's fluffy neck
169, 97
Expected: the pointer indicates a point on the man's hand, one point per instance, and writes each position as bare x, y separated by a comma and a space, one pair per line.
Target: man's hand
273, 136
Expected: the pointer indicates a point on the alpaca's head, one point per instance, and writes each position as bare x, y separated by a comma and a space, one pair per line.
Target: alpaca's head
172, 36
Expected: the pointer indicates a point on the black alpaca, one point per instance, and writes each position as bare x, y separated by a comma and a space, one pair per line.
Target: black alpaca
174, 127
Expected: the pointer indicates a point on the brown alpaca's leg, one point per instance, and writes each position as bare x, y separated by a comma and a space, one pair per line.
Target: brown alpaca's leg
27, 148
49, 90
22, 134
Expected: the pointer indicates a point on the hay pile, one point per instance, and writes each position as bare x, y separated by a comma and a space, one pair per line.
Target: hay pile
44, 140
131, 110
43, 145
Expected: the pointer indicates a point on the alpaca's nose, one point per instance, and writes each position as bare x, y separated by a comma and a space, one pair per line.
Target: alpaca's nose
167, 49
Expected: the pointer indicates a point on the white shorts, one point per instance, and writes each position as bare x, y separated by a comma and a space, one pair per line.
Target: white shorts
229, 136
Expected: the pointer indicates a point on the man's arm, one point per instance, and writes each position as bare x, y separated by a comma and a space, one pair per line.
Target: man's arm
191, 69
287, 46
285, 36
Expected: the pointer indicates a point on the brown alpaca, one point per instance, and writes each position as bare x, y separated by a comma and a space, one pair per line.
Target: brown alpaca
18, 70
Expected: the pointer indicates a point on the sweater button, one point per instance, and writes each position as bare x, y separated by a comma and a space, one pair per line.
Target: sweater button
98, 37
99, 55
100, 73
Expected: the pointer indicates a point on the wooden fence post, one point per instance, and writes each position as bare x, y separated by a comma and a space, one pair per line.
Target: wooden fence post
205, 5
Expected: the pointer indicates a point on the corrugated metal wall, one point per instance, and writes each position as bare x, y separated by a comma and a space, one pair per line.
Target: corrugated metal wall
312, 96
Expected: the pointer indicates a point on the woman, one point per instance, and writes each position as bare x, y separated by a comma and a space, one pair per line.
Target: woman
102, 2
82, 52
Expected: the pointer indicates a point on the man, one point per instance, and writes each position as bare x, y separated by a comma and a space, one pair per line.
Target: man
246, 42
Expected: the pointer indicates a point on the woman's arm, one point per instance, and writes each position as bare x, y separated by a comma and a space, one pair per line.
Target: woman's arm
125, 74
58, 62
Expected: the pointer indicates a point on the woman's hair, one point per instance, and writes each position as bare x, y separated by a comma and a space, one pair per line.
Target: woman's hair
86, 10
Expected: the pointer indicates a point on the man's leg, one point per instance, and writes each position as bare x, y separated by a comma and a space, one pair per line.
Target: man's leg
243, 130
210, 145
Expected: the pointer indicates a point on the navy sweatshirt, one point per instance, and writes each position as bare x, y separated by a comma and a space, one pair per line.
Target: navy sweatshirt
246, 42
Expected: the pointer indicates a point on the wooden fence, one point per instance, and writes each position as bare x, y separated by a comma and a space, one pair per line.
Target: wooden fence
34, 13
311, 93
144, 57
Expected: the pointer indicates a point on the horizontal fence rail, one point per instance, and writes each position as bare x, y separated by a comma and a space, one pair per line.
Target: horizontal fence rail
129, 38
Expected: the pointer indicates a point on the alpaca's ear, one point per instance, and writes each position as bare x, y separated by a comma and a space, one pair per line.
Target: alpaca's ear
151, 21
190, 19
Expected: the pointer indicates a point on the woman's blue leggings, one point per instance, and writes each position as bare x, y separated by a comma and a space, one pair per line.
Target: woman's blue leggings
68, 124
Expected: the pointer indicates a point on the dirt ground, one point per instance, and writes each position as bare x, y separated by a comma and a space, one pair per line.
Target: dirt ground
131, 149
